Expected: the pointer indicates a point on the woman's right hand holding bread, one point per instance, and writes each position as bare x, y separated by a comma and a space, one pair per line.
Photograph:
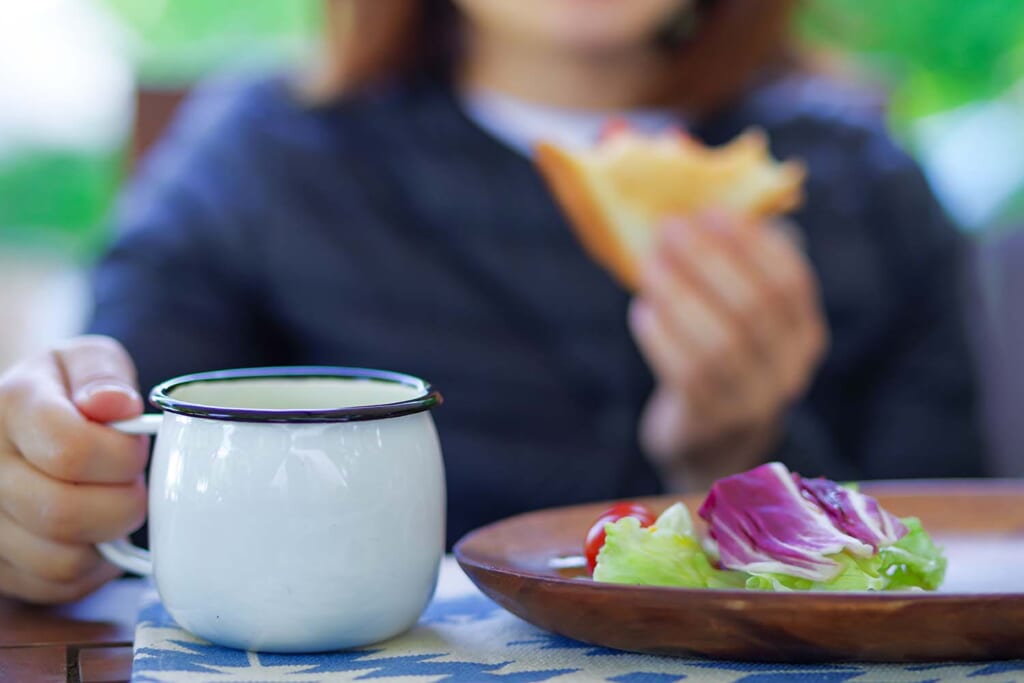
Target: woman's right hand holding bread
66, 480
729, 319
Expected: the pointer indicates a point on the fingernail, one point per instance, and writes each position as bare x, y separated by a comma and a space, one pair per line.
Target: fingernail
651, 272
89, 390
718, 219
677, 231
639, 315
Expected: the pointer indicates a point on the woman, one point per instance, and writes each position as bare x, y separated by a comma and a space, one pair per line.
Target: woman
387, 214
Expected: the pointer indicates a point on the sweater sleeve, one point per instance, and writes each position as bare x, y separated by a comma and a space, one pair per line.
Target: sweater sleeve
909, 408
807, 446
920, 415
174, 286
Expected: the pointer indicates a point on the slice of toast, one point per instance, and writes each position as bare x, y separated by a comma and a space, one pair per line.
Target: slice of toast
618, 192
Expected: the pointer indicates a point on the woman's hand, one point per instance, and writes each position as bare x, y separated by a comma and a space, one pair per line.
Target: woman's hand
729, 321
66, 481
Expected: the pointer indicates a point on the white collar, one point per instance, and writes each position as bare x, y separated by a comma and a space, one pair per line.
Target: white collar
520, 124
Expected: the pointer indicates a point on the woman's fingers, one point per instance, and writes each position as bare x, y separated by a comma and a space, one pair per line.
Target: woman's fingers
784, 266
785, 317
33, 588
674, 358
779, 263
43, 557
42, 424
728, 320
705, 253
67, 512
100, 378
66, 480
706, 295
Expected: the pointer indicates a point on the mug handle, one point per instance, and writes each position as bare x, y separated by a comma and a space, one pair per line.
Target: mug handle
122, 552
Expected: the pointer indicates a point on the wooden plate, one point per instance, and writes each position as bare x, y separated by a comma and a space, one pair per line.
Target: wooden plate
978, 614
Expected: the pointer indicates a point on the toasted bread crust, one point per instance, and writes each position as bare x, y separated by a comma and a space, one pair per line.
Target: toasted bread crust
660, 177
586, 218
786, 198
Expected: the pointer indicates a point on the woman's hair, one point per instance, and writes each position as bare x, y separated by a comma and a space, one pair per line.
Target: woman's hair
732, 42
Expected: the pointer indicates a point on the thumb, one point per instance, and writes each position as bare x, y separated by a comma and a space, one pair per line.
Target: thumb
101, 378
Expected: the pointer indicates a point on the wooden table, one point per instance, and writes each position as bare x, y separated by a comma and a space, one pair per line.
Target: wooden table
89, 641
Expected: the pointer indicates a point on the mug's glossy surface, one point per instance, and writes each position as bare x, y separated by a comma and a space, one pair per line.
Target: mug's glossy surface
296, 536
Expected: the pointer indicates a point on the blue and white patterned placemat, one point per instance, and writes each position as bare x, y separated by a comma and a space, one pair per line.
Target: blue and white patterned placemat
464, 637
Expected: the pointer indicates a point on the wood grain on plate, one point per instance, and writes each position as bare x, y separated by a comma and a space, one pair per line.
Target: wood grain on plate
979, 613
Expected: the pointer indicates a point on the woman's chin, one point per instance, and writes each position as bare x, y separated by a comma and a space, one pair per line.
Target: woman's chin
591, 39
587, 26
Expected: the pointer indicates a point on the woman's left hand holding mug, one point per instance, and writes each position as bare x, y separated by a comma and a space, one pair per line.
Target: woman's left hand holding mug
729, 320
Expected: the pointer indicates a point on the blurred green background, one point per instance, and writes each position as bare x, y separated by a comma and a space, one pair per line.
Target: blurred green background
57, 197
934, 54
951, 68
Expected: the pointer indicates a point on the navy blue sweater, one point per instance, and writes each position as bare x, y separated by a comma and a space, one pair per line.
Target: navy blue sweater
387, 230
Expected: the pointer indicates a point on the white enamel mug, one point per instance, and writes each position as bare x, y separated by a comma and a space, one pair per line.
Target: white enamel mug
292, 509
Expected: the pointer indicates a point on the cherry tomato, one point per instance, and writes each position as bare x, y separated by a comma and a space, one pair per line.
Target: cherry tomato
595, 537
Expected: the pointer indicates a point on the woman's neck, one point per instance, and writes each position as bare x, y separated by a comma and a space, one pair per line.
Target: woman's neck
563, 79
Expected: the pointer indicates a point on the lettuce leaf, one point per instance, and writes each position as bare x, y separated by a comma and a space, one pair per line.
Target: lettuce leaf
669, 554
664, 554
914, 561
857, 574
676, 519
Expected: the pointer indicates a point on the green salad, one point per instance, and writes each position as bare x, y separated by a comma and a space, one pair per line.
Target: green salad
768, 529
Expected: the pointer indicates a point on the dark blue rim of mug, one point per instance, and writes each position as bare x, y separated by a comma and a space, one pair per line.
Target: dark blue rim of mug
429, 397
